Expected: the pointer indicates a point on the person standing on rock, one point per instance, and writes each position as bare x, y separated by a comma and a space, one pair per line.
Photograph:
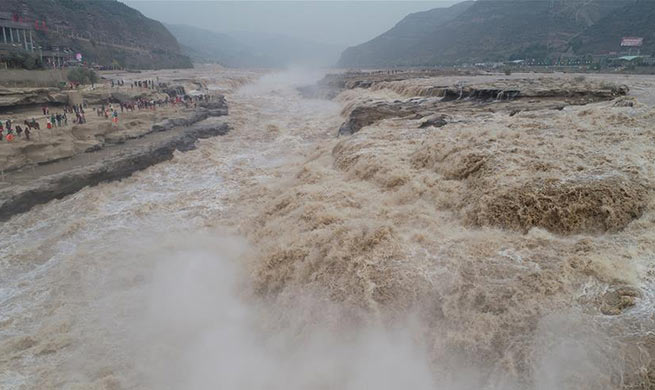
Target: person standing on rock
27, 133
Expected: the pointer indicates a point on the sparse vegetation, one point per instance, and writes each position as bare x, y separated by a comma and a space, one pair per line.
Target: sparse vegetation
22, 60
83, 76
115, 64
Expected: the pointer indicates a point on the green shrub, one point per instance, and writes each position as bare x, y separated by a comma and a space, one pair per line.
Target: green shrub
22, 60
83, 76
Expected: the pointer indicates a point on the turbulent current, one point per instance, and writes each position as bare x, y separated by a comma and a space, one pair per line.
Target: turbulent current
281, 257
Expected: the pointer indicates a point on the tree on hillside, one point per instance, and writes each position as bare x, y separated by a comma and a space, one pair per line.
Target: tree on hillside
115, 65
83, 76
22, 60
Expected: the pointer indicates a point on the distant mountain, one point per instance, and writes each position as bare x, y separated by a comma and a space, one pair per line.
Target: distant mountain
398, 45
104, 31
486, 30
246, 49
208, 46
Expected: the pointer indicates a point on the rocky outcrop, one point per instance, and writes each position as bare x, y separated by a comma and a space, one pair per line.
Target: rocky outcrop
511, 95
12, 97
334, 83
46, 147
117, 157
372, 112
107, 95
438, 120
17, 200
216, 107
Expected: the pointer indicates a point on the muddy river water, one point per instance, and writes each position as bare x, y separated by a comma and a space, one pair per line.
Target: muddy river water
281, 257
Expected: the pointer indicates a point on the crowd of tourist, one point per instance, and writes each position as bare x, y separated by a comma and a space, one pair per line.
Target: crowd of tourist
10, 131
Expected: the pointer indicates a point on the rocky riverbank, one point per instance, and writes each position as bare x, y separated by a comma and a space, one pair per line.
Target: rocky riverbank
110, 159
431, 100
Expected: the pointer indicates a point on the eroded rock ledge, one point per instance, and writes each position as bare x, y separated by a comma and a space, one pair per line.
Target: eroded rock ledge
511, 96
113, 162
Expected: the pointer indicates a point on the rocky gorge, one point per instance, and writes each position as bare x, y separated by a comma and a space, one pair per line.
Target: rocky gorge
493, 242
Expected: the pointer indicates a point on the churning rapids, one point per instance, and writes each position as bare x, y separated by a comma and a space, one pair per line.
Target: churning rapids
281, 257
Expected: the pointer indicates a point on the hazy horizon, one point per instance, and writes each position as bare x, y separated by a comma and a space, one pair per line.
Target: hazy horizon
337, 23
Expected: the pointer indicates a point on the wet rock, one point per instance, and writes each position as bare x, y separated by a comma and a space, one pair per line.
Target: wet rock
216, 107
450, 94
434, 121
626, 101
372, 112
615, 301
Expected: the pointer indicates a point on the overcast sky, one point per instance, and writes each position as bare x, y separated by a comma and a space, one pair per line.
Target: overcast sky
343, 23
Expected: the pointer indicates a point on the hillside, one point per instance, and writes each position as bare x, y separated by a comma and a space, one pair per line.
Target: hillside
209, 46
398, 45
635, 19
248, 49
482, 31
104, 31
